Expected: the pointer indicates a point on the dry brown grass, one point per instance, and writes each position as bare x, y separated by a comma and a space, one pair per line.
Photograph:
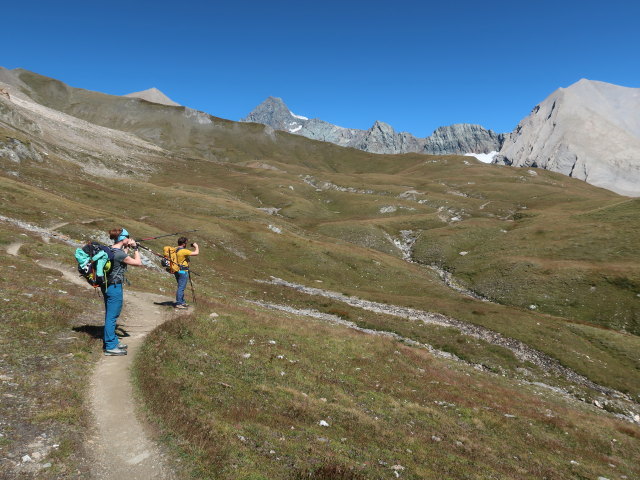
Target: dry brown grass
384, 399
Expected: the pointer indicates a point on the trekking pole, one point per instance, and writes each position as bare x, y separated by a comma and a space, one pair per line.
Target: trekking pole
167, 235
193, 290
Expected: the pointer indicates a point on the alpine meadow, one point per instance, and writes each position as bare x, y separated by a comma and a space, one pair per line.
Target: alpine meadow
353, 315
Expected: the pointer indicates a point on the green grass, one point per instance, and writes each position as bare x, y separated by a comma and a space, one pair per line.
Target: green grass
44, 362
258, 416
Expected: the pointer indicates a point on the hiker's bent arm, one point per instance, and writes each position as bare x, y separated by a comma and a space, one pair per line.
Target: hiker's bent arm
196, 249
136, 260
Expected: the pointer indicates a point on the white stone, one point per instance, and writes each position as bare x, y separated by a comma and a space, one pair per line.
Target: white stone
323, 423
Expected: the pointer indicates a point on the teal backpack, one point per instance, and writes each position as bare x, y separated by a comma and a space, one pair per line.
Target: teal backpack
94, 263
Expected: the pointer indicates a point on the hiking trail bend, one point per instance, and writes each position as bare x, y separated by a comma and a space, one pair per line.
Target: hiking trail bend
118, 443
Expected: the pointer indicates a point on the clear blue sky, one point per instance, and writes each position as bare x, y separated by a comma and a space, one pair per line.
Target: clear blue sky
414, 64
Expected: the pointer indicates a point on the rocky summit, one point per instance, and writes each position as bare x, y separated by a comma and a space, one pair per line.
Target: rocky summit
381, 137
153, 95
589, 130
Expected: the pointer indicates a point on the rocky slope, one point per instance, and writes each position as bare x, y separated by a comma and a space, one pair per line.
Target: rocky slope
590, 131
381, 137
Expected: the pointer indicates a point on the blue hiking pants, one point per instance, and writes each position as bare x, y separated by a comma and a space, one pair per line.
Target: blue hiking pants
182, 277
112, 306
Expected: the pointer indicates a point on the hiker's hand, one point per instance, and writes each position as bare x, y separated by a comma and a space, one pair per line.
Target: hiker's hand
194, 245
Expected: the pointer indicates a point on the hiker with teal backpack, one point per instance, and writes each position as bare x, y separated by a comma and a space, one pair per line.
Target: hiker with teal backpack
112, 289
178, 264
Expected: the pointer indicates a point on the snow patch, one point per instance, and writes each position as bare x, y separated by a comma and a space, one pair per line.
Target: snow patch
297, 129
300, 117
483, 157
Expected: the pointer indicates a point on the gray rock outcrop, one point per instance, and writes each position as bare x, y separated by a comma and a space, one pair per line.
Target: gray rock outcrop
381, 137
589, 130
463, 138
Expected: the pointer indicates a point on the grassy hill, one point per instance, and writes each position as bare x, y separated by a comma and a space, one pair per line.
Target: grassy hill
534, 256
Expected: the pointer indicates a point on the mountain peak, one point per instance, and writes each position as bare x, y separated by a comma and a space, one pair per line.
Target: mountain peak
383, 127
271, 106
275, 113
153, 95
275, 101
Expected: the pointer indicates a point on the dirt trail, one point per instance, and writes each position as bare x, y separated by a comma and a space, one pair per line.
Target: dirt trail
118, 443
121, 447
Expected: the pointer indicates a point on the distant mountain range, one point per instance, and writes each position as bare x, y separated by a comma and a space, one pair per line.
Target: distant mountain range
589, 130
381, 137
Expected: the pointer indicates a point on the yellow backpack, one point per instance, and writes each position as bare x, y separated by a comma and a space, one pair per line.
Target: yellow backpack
170, 260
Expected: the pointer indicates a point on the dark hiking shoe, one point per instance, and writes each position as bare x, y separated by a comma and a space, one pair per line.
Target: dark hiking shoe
115, 352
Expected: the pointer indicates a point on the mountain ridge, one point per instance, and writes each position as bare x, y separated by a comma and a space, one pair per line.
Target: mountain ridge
459, 138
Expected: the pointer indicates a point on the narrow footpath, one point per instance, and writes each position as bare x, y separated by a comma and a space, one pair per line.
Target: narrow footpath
118, 443
121, 447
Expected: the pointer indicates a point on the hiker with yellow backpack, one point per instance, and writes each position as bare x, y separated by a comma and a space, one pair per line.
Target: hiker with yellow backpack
178, 264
